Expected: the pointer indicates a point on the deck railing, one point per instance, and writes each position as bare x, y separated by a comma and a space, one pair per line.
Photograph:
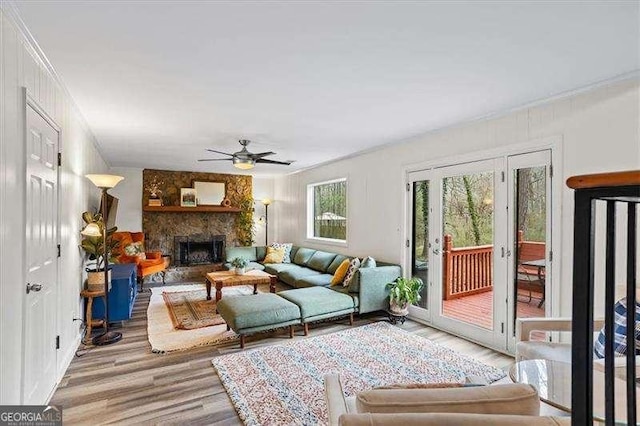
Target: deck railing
469, 270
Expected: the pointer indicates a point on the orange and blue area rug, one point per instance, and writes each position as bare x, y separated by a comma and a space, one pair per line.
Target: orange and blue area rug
283, 384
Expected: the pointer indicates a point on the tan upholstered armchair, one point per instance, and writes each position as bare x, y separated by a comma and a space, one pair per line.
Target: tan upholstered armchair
499, 405
530, 349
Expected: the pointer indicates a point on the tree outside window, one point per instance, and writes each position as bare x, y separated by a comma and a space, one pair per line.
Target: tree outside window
327, 204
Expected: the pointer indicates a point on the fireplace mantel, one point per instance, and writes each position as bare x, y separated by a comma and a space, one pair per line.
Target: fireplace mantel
197, 209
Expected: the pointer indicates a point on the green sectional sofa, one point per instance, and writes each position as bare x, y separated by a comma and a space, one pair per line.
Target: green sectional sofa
315, 268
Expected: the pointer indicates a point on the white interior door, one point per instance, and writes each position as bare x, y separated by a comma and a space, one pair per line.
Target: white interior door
39, 354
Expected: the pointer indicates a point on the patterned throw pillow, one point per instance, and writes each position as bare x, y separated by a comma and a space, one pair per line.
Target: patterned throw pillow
368, 262
341, 272
135, 250
354, 265
287, 250
619, 331
274, 255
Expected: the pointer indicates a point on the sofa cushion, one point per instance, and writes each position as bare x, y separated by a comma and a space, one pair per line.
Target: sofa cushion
341, 272
250, 266
261, 252
510, 398
276, 268
321, 280
345, 290
248, 253
354, 265
368, 262
291, 275
337, 261
303, 255
314, 301
619, 331
287, 250
294, 250
256, 310
321, 260
274, 255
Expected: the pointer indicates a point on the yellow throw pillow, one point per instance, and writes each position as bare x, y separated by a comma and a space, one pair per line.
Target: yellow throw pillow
338, 277
274, 255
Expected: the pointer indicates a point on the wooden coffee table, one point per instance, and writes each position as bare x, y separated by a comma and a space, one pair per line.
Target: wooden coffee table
229, 278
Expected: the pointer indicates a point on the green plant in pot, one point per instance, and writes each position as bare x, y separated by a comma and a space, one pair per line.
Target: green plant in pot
402, 293
94, 247
240, 263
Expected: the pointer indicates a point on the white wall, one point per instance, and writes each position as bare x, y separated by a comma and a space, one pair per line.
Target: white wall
129, 194
599, 133
263, 188
21, 66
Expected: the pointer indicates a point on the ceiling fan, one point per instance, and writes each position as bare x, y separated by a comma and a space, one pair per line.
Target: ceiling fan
244, 159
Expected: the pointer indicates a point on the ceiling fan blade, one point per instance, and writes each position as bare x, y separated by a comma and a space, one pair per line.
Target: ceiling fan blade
215, 159
262, 154
264, 160
219, 152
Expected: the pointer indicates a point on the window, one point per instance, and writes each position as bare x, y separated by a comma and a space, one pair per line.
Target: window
327, 210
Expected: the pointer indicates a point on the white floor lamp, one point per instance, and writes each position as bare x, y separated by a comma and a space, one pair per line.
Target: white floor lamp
104, 182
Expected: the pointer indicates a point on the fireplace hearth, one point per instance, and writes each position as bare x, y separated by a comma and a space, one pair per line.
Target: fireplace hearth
198, 250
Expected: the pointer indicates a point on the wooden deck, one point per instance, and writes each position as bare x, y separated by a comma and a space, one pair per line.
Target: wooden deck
477, 309
126, 383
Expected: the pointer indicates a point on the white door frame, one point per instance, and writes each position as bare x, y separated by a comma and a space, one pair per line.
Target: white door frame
552, 143
30, 102
540, 158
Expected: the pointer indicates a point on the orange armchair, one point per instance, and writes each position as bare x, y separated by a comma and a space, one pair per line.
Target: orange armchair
151, 263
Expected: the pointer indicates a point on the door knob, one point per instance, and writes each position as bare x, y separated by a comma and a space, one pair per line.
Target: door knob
33, 287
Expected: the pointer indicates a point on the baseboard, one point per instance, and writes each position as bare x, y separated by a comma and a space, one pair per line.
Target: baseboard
66, 361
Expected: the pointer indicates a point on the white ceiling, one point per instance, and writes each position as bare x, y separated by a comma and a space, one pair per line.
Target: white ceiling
160, 81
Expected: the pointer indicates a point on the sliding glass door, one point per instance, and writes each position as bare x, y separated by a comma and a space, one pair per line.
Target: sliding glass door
478, 238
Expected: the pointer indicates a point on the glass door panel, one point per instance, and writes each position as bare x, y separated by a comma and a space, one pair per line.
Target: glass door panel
530, 219
420, 247
467, 250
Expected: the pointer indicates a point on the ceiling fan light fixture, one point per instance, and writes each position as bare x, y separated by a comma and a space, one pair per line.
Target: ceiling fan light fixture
243, 163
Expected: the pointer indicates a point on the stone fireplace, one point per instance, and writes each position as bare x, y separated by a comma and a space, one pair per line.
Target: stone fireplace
195, 239
198, 250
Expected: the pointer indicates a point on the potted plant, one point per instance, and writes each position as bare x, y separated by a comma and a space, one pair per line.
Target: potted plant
94, 246
240, 263
402, 293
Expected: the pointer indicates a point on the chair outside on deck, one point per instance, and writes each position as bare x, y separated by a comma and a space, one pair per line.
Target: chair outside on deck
131, 250
531, 267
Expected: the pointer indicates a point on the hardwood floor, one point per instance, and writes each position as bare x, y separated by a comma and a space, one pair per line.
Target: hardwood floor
126, 383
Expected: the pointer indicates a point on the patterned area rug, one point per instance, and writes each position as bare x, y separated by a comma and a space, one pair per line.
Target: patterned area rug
282, 384
164, 337
191, 309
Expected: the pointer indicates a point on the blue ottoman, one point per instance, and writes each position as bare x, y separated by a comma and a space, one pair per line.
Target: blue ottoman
318, 303
258, 312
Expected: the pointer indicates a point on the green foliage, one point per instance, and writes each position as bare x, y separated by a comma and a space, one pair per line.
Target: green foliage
239, 262
405, 290
330, 199
94, 246
245, 226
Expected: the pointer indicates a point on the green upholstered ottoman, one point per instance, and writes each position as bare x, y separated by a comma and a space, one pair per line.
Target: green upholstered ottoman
258, 312
318, 303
